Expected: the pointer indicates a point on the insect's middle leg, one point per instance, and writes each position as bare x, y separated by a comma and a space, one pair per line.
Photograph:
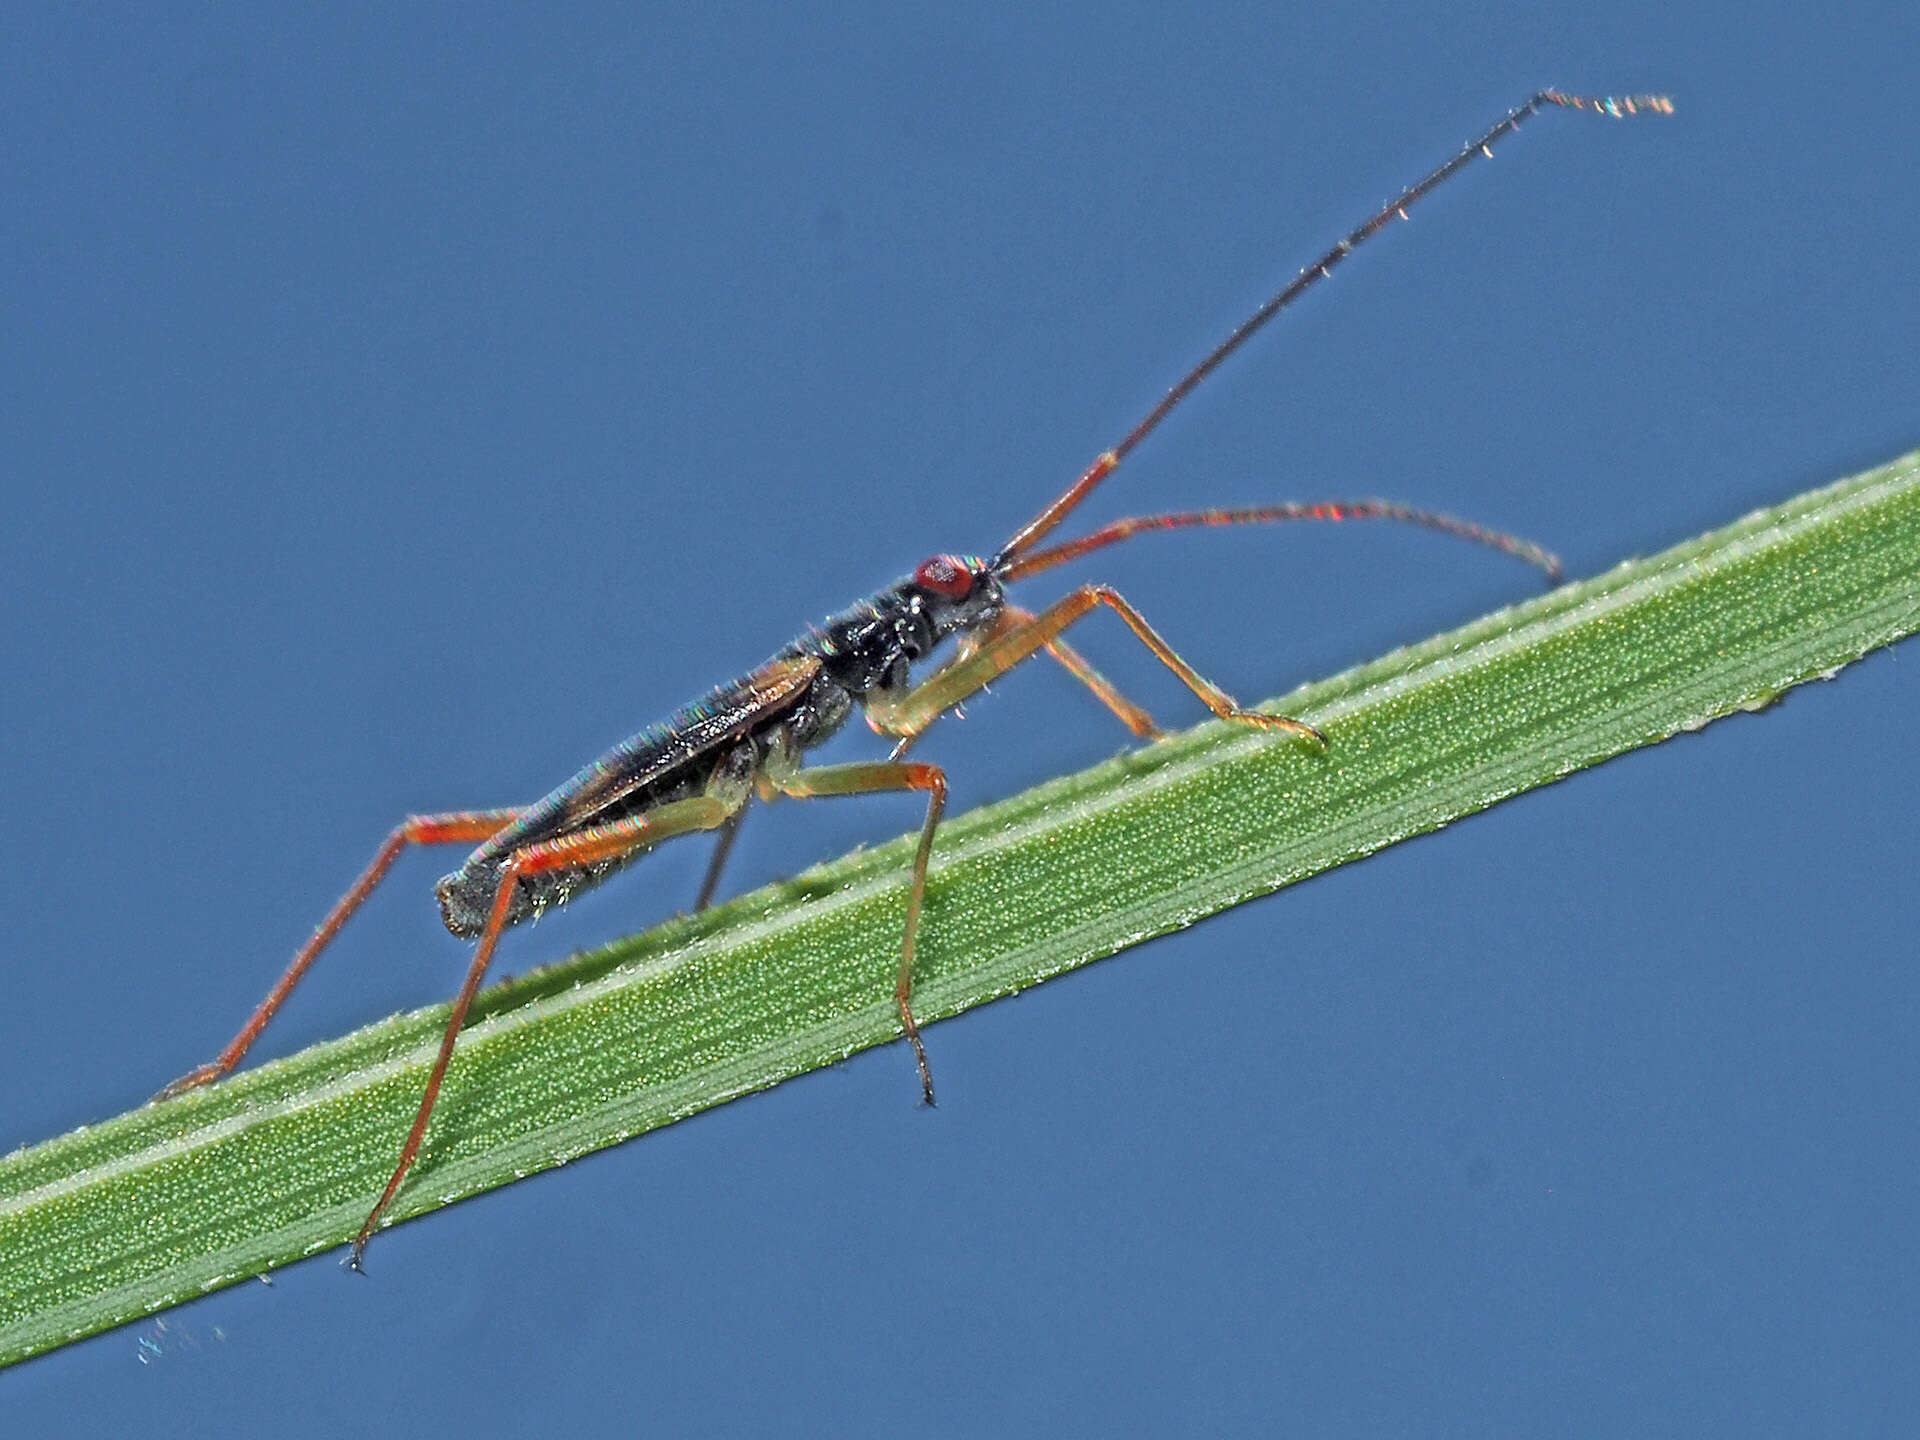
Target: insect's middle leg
568, 852
784, 774
723, 847
911, 713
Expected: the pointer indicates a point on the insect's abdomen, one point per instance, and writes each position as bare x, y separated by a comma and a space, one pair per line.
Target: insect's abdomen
596, 796
717, 743
467, 896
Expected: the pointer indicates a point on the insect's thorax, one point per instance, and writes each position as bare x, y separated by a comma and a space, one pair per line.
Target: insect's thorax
874, 644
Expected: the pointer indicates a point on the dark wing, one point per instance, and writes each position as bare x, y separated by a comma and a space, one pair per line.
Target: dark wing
652, 757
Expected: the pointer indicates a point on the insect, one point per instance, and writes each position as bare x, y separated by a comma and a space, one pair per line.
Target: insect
699, 769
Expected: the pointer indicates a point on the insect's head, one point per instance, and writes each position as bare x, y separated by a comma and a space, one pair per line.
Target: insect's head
955, 592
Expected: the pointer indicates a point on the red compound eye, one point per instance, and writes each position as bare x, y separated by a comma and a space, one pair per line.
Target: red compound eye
945, 575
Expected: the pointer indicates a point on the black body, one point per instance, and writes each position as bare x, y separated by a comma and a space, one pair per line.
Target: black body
723, 740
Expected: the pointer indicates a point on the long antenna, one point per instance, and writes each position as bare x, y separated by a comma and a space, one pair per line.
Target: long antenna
1615, 105
1035, 561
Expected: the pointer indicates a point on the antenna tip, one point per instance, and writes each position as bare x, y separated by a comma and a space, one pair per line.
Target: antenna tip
1618, 106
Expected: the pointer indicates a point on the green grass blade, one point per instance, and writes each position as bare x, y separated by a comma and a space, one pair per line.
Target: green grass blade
120, 1219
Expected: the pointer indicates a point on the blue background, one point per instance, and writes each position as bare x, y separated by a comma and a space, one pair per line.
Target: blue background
401, 406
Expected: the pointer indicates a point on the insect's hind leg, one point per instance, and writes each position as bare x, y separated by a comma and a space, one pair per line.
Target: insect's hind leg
455, 827
567, 852
785, 775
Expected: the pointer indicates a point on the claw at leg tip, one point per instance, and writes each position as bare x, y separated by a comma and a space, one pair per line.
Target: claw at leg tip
192, 1080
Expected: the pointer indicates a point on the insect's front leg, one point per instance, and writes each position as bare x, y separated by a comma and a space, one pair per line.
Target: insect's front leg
784, 775
899, 714
912, 712
463, 827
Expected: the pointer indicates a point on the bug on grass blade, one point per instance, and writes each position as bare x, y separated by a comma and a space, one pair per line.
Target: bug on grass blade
699, 768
